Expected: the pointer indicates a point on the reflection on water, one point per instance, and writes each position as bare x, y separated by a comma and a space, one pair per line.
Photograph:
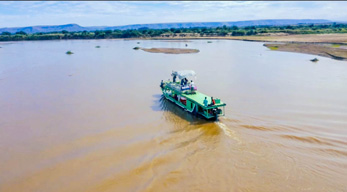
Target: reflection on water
96, 120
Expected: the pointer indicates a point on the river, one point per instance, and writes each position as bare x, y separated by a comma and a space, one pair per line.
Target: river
95, 120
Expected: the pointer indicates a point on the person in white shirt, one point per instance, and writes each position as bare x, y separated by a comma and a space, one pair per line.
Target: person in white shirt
191, 85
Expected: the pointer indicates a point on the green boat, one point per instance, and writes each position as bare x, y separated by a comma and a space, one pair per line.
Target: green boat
184, 94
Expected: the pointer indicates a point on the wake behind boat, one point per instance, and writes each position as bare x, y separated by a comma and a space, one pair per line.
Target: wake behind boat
184, 94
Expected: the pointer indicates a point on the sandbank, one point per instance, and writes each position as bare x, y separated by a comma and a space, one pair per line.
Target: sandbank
326, 50
170, 50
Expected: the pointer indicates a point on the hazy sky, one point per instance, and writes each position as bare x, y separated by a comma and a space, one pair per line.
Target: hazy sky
111, 13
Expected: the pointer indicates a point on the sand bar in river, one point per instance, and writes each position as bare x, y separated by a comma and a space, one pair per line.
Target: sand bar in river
170, 50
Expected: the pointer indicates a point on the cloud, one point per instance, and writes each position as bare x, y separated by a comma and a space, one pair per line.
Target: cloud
92, 13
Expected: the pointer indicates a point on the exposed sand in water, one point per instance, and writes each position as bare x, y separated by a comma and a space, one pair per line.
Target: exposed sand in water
179, 41
310, 38
170, 50
331, 51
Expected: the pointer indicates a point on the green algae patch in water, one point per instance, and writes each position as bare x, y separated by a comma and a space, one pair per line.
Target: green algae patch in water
273, 47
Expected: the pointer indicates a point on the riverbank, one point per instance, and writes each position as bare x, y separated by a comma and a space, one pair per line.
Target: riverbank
334, 38
339, 38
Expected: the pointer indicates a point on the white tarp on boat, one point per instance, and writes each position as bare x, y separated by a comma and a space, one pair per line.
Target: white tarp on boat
184, 74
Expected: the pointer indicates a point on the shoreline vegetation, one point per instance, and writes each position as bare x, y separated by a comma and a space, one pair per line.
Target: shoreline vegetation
261, 33
304, 38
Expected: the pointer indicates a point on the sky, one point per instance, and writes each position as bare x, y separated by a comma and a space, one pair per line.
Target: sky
115, 13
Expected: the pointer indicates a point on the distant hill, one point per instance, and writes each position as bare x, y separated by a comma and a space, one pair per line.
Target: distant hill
75, 27
50, 28
219, 24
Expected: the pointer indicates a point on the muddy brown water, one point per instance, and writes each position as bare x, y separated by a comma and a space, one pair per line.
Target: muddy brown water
95, 120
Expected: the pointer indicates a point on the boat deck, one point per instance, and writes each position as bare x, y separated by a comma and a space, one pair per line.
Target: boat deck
197, 97
200, 97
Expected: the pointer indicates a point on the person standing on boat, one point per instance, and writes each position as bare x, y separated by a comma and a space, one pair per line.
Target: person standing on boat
205, 102
213, 102
191, 85
185, 81
174, 78
162, 84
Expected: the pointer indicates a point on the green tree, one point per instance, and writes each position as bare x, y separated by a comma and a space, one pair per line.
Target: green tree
108, 32
21, 33
251, 32
5, 33
238, 33
223, 33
